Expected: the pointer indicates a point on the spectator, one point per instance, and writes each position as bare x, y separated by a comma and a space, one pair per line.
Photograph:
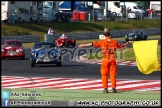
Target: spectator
52, 31
49, 31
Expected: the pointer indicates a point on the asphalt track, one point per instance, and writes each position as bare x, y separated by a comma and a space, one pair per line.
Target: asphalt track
70, 68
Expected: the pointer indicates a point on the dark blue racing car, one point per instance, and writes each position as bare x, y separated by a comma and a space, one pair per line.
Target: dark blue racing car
136, 36
45, 53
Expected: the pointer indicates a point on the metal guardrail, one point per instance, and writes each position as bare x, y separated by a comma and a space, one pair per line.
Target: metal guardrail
114, 33
82, 35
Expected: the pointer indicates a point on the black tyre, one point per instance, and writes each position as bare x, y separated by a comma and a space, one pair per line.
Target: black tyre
126, 39
114, 14
67, 18
2, 58
59, 64
56, 18
145, 38
137, 39
23, 57
74, 44
63, 18
66, 44
32, 63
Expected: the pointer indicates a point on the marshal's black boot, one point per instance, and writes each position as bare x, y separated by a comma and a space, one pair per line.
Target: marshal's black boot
105, 90
114, 90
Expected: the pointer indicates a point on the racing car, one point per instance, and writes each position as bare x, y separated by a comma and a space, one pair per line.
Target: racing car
136, 36
12, 49
66, 41
45, 53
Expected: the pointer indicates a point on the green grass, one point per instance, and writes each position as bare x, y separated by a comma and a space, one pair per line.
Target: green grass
62, 27
92, 95
125, 54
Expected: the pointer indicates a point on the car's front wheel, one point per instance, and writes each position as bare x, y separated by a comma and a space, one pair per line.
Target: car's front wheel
126, 40
32, 63
55, 18
66, 44
59, 64
63, 18
137, 38
23, 57
74, 44
67, 18
145, 38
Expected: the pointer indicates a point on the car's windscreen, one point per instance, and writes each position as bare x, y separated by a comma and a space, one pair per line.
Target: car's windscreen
36, 46
140, 7
47, 4
13, 43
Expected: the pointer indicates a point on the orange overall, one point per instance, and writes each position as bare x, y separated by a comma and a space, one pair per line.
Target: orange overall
108, 47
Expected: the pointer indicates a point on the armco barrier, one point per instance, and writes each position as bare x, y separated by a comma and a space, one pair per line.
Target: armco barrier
23, 38
114, 33
83, 35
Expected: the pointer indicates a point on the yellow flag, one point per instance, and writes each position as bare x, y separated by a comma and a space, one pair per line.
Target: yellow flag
146, 56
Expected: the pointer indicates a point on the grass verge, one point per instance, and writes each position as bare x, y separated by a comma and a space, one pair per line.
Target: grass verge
41, 28
91, 95
125, 54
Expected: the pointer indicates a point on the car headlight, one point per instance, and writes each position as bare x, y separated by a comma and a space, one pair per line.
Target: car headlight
33, 53
2, 50
21, 50
44, 13
17, 50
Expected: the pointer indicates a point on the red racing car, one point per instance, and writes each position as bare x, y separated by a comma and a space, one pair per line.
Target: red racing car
12, 49
64, 40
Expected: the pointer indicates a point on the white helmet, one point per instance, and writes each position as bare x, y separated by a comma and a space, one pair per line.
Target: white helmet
63, 35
